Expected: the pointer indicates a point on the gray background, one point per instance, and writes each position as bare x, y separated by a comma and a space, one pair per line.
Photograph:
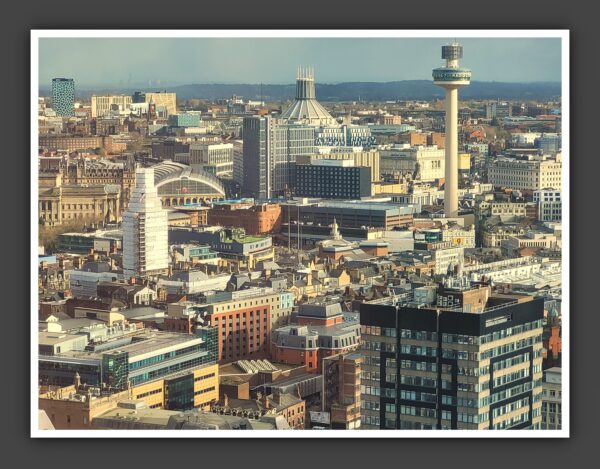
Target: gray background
19, 450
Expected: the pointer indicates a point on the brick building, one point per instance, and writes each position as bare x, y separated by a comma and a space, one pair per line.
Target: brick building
341, 398
319, 331
255, 219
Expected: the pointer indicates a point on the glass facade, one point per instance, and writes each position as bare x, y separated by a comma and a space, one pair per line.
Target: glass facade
166, 369
63, 96
179, 393
115, 369
210, 336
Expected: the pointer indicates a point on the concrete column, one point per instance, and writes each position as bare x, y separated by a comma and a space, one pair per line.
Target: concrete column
451, 176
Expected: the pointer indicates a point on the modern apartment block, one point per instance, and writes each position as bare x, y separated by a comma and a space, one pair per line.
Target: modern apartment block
63, 96
333, 179
472, 361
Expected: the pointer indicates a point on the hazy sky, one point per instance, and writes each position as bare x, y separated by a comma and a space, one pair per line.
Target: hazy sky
136, 61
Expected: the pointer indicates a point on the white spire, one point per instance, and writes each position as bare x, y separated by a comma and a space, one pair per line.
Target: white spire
306, 108
335, 232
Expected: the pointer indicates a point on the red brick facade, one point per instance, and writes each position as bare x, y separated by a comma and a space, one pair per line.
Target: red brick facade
256, 220
311, 358
244, 334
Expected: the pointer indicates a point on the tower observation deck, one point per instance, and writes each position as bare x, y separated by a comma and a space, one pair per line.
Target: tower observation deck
451, 77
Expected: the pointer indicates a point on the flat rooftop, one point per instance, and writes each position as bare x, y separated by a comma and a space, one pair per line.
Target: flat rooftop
362, 205
158, 417
231, 370
108, 234
145, 343
54, 338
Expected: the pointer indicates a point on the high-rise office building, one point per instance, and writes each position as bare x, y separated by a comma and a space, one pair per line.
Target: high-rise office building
270, 152
63, 96
104, 105
214, 158
145, 229
472, 359
497, 109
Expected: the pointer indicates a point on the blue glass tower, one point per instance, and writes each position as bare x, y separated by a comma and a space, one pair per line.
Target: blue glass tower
63, 96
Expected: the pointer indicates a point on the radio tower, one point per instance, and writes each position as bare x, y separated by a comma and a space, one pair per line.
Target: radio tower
451, 78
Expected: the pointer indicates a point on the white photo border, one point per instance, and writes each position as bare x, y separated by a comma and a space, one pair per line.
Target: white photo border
563, 34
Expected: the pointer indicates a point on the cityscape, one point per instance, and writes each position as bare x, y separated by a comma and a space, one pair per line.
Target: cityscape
356, 256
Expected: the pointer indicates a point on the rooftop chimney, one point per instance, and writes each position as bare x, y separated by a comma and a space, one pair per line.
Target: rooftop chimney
264, 401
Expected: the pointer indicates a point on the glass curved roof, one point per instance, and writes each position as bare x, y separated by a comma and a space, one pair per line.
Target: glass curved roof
170, 176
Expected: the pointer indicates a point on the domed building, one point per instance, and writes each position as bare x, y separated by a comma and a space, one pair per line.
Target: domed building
306, 109
179, 184
337, 246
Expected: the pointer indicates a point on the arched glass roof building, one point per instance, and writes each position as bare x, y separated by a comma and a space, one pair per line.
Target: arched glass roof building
179, 184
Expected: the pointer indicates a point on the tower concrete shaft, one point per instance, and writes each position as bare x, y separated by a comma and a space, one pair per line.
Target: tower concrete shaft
451, 77
451, 156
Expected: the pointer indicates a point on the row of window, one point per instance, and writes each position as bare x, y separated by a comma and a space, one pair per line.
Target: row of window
418, 411
508, 362
552, 407
417, 350
510, 377
166, 370
505, 409
149, 393
378, 346
164, 356
417, 396
200, 378
508, 348
204, 391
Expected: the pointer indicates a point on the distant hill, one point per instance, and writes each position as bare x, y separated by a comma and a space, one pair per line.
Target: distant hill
353, 91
